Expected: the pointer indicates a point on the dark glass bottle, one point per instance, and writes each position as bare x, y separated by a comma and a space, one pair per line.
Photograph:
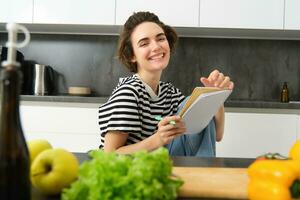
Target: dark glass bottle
284, 97
14, 155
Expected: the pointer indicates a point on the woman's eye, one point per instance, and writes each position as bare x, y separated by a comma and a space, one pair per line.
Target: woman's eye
143, 44
162, 39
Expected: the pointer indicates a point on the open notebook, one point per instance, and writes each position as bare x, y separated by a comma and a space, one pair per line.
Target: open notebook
201, 107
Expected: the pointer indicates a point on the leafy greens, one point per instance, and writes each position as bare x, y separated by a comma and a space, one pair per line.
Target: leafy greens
109, 176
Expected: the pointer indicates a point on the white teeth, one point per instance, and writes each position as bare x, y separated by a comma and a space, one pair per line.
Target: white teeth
157, 56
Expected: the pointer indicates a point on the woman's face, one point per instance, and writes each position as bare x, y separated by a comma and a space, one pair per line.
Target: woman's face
150, 47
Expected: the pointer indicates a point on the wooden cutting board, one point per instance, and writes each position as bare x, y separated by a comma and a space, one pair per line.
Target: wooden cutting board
213, 182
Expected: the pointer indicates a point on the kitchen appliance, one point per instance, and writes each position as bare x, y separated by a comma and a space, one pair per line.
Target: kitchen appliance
43, 80
3, 55
25, 69
37, 79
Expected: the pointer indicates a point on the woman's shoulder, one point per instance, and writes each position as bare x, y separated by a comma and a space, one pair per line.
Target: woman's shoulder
128, 85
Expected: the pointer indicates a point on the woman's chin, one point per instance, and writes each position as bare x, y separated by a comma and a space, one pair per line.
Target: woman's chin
159, 65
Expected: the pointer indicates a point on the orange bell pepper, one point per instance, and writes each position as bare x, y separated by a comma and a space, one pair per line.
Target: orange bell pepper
271, 179
272, 170
295, 155
267, 190
295, 166
273, 176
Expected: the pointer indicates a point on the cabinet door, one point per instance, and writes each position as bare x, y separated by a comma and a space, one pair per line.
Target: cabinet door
16, 11
71, 128
74, 12
253, 14
292, 16
252, 134
171, 12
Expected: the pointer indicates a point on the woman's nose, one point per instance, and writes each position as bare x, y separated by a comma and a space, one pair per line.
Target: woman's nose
155, 45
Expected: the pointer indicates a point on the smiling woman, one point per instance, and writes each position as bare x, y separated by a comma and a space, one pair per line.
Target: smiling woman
127, 121
151, 50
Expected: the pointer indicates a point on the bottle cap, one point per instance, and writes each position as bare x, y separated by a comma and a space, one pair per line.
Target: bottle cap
12, 44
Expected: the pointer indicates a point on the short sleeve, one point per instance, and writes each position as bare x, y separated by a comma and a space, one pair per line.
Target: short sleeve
120, 113
178, 98
179, 95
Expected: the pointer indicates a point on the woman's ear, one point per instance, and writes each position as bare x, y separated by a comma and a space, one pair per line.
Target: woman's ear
133, 59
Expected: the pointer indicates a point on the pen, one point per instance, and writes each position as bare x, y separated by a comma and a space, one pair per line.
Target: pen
158, 118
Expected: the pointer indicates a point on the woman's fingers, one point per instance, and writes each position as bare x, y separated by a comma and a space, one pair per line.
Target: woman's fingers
179, 126
168, 131
205, 82
167, 137
167, 120
231, 85
225, 82
217, 79
213, 76
211, 79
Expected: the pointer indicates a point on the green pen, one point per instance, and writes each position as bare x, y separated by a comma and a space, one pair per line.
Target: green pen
159, 118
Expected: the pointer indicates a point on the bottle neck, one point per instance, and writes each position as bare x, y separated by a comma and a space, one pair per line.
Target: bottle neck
9, 95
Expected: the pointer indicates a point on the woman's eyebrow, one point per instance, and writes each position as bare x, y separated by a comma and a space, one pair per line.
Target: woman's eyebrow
160, 34
146, 38
143, 39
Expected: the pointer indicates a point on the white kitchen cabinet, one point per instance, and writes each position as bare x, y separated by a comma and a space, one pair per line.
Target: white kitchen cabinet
298, 128
75, 128
248, 14
72, 128
99, 12
292, 16
172, 12
16, 11
253, 134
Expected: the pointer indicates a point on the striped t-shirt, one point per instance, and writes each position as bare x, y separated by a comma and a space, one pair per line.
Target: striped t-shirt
132, 109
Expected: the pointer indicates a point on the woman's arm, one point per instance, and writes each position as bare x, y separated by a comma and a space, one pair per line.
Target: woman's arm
217, 79
116, 140
219, 121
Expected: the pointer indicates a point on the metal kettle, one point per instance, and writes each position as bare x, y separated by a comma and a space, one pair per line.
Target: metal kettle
43, 80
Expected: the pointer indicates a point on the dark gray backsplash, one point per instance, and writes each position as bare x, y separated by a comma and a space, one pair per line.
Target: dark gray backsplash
258, 67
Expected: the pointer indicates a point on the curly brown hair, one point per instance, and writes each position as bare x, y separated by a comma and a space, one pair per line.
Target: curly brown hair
125, 49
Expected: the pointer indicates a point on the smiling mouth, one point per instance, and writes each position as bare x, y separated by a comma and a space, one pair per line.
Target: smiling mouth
157, 56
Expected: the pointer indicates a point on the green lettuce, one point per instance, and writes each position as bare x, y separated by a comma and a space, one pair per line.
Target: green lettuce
109, 176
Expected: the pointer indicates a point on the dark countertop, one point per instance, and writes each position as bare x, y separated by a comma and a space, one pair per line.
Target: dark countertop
66, 99
101, 100
262, 104
186, 161
177, 161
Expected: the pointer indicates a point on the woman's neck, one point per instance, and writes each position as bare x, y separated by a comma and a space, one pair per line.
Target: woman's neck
151, 79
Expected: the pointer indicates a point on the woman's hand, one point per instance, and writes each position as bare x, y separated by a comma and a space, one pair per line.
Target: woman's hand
167, 132
217, 79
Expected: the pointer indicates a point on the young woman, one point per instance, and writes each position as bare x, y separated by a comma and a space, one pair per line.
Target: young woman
127, 121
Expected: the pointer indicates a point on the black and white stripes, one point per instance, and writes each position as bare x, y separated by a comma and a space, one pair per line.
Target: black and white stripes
131, 109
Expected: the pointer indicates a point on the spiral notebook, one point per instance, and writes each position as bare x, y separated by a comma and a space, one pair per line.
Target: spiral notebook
201, 107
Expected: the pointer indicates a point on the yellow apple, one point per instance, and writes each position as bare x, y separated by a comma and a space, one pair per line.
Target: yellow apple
36, 147
54, 169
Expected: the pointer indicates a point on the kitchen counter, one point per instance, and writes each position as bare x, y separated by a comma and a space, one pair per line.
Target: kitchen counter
101, 100
64, 99
177, 161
